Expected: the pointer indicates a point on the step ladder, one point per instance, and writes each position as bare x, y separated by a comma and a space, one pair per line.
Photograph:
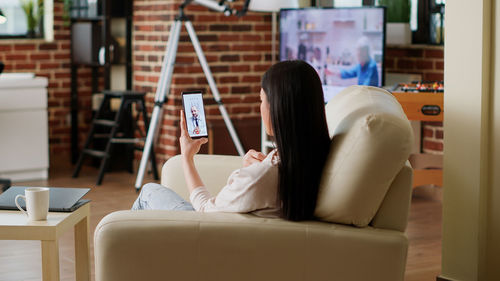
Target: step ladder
113, 137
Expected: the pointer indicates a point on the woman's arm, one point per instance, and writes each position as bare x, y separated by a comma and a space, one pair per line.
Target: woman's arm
189, 148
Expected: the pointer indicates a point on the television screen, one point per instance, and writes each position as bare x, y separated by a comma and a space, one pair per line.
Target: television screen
345, 46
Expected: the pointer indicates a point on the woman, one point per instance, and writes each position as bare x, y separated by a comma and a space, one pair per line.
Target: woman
282, 184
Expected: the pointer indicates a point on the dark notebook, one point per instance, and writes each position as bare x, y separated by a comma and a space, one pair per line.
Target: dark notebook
61, 199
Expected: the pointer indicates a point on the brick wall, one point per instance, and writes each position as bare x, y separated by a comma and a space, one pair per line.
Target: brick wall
419, 59
238, 51
51, 60
432, 138
429, 62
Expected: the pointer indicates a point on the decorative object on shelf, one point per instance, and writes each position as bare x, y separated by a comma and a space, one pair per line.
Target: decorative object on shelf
3, 18
436, 22
398, 21
66, 11
33, 9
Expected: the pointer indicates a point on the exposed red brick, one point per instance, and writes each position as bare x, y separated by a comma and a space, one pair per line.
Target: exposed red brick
5, 48
206, 18
40, 56
404, 52
251, 99
263, 27
405, 64
432, 53
48, 46
251, 37
240, 68
242, 27
183, 80
439, 134
49, 65
229, 79
425, 64
241, 90
25, 66
219, 68
21, 57
24, 47
243, 48
252, 57
434, 76
389, 63
230, 58
439, 65
428, 133
261, 67
251, 79
228, 37
240, 109
432, 145
219, 27
218, 48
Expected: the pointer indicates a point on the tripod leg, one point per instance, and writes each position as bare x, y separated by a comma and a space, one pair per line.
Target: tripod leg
213, 87
167, 70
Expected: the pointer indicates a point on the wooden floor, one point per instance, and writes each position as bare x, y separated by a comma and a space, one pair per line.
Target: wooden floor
21, 261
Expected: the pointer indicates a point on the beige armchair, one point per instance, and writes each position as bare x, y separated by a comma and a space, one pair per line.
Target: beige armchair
366, 183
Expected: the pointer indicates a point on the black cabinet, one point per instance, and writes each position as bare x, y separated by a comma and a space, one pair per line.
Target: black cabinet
101, 39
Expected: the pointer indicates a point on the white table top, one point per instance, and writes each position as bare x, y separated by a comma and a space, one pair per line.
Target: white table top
14, 225
16, 218
22, 82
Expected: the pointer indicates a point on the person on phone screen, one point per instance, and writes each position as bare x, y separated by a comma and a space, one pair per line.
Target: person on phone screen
195, 120
283, 183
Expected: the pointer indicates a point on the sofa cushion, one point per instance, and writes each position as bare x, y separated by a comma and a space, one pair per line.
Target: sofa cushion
372, 139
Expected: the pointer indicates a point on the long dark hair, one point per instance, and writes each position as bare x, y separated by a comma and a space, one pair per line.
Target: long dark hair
297, 112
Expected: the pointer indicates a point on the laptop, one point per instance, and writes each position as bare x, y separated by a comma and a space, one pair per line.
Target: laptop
61, 199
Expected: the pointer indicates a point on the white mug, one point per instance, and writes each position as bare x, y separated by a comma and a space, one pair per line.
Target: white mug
37, 203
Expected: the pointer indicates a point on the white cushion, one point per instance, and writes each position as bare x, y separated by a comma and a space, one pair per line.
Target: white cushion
372, 139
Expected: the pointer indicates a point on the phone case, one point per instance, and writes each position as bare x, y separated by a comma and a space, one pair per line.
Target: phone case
194, 114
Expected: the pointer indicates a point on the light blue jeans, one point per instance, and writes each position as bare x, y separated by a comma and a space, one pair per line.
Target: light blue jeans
158, 197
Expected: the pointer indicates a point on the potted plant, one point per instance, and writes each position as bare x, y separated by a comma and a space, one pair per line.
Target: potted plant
33, 15
398, 21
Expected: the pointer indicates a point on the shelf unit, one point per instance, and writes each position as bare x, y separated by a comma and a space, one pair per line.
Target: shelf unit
94, 26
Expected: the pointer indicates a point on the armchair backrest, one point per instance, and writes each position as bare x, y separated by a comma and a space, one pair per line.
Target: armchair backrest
365, 178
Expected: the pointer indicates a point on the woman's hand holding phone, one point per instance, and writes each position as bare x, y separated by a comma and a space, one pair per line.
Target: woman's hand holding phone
189, 146
252, 157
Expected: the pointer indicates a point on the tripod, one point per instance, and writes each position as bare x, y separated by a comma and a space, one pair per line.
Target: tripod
164, 85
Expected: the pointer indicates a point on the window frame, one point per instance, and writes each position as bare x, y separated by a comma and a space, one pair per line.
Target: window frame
46, 25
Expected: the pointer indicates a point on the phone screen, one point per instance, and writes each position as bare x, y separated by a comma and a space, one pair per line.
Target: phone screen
194, 111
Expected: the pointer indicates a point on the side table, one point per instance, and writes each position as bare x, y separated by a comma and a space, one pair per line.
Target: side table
15, 226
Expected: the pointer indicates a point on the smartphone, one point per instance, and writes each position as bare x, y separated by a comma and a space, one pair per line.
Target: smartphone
194, 113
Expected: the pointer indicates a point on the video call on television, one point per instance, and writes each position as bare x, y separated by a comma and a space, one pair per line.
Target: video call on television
345, 46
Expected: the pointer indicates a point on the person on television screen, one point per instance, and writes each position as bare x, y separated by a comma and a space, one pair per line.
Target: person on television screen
366, 69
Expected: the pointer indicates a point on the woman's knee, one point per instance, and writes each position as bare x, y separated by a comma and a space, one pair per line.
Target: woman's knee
150, 188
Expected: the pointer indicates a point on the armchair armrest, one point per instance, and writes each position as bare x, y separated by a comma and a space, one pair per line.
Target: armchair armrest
214, 171
189, 246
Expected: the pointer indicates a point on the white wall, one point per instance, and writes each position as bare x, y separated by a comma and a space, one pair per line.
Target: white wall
471, 201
